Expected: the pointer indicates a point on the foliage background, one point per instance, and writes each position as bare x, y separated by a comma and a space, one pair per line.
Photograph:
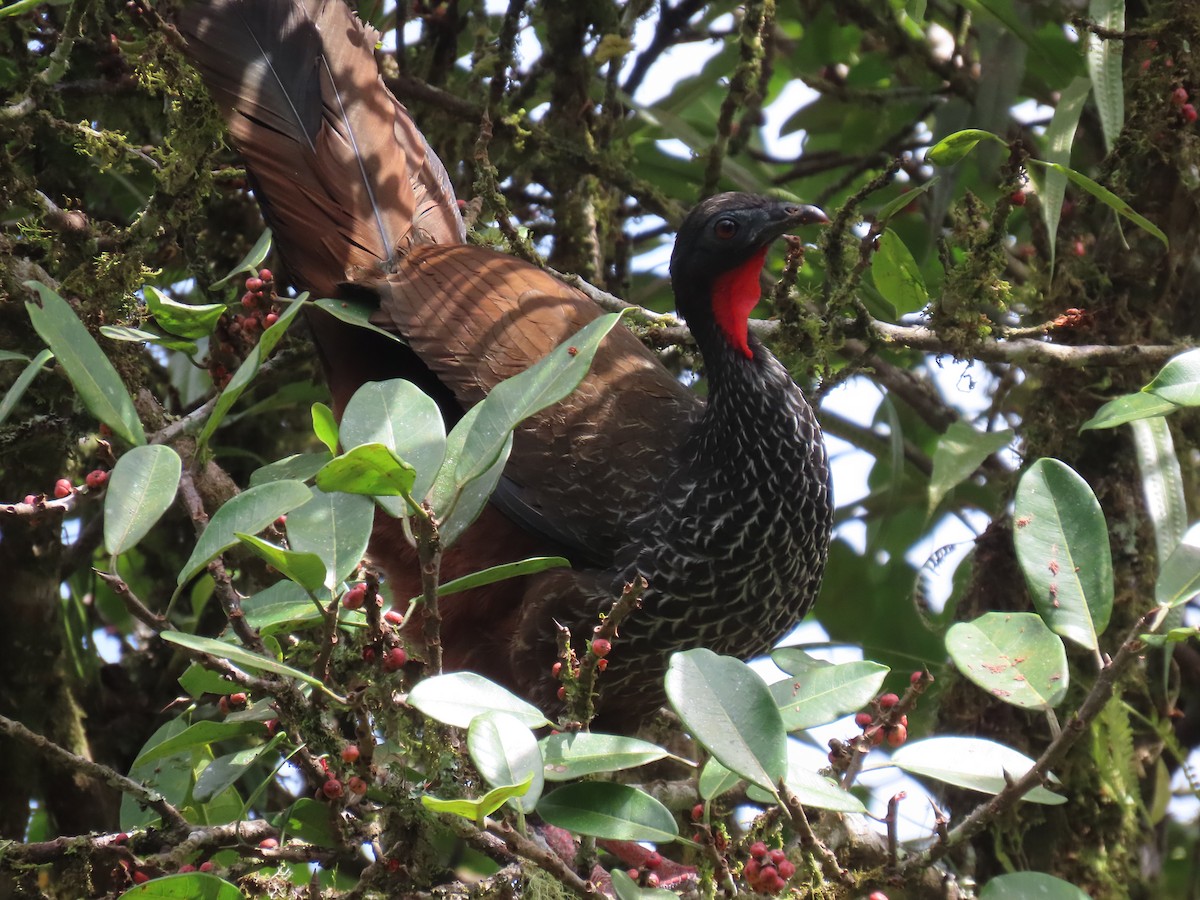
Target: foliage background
113, 177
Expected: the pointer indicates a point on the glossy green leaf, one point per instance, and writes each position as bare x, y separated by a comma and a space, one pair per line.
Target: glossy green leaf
97, 383
12, 356
1179, 380
306, 569
459, 506
239, 656
1060, 135
297, 467
224, 771
243, 377
968, 762
309, 820
1179, 578
325, 426
824, 693
251, 263
602, 809
198, 681
478, 810
810, 787
1107, 197
198, 734
131, 335
899, 203
1104, 62
505, 752
248, 513
182, 319
141, 487
1062, 545
1030, 886
1129, 408
729, 710
403, 418
184, 886
953, 147
571, 755
369, 469
897, 275
716, 780
1015, 657
458, 698
1162, 483
961, 450
14, 394
283, 604
336, 527
503, 572
358, 314
170, 777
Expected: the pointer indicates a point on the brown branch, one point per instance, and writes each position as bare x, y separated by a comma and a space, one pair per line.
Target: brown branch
829, 862
544, 858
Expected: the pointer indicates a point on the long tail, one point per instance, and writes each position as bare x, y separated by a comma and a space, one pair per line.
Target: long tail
345, 179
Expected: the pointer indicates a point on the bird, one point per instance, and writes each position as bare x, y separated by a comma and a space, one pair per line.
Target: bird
724, 505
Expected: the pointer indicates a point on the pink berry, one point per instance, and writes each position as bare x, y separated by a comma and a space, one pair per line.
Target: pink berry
1179, 96
1017, 198
356, 785
653, 861
332, 789
186, 867
254, 285
562, 692
897, 735
350, 754
353, 598
62, 488
139, 877
697, 812
915, 677
887, 701
601, 647
96, 479
238, 700
265, 275
394, 617
758, 849
31, 499
751, 870
878, 895
270, 319
249, 301
787, 868
121, 838
1189, 112
268, 843
652, 880
555, 669
863, 719
777, 856
395, 659
206, 866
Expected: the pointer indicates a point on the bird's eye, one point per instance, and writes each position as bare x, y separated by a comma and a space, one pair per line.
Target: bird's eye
725, 228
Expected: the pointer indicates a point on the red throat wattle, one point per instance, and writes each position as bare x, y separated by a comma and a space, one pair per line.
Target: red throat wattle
734, 295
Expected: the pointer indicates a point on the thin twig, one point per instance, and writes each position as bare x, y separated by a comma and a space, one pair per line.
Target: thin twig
809, 840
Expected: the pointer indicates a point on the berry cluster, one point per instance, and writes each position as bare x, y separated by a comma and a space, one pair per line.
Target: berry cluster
647, 875
768, 871
236, 336
896, 733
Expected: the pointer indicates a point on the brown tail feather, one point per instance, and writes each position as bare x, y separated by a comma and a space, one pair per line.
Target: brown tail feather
345, 179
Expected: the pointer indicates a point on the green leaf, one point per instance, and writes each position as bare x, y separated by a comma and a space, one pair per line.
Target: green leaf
1060, 135
372, 470
478, 810
1179, 380
514, 400
1179, 578
897, 275
100, 388
248, 513
715, 780
309, 820
729, 710
224, 771
282, 605
811, 788
502, 572
953, 147
822, 694
1104, 62
505, 752
306, 569
1107, 197
899, 203
571, 755
14, 394
185, 886
1030, 886
458, 698
182, 319
1013, 656
972, 763
325, 426
248, 369
1162, 483
12, 356
336, 527
131, 335
403, 418
1129, 408
170, 777
141, 487
252, 261
198, 681
357, 314
463, 505
960, 451
198, 734
1062, 545
297, 467
602, 809
240, 656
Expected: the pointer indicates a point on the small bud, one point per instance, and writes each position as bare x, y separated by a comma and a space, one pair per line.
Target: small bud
186, 867
1179, 96
1017, 198
1189, 113
652, 880
30, 499
562, 692
915, 677
368, 654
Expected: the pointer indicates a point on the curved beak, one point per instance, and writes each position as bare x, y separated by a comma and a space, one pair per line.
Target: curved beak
785, 216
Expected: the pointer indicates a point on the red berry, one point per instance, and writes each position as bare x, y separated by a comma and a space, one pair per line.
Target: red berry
237, 700
777, 856
394, 617
652, 880
62, 488
395, 659
767, 874
96, 479
249, 301
915, 677
249, 323
632, 873
904, 721
878, 895
206, 866
697, 812
787, 868
562, 692
268, 843
601, 665
356, 785
1017, 198
140, 877
877, 737
332, 789
270, 319
223, 706
863, 719
254, 285
1079, 248
887, 701
897, 735
758, 849
1189, 112
555, 669
265, 275
653, 861
600, 647
1145, 65
775, 885
272, 726
186, 867
281, 522
1179, 96
350, 754
353, 598
121, 838
751, 870
30, 499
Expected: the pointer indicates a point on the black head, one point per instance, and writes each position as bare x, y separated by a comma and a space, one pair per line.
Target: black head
719, 252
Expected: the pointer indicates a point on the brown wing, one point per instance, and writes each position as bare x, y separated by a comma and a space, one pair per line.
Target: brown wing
345, 179
476, 317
